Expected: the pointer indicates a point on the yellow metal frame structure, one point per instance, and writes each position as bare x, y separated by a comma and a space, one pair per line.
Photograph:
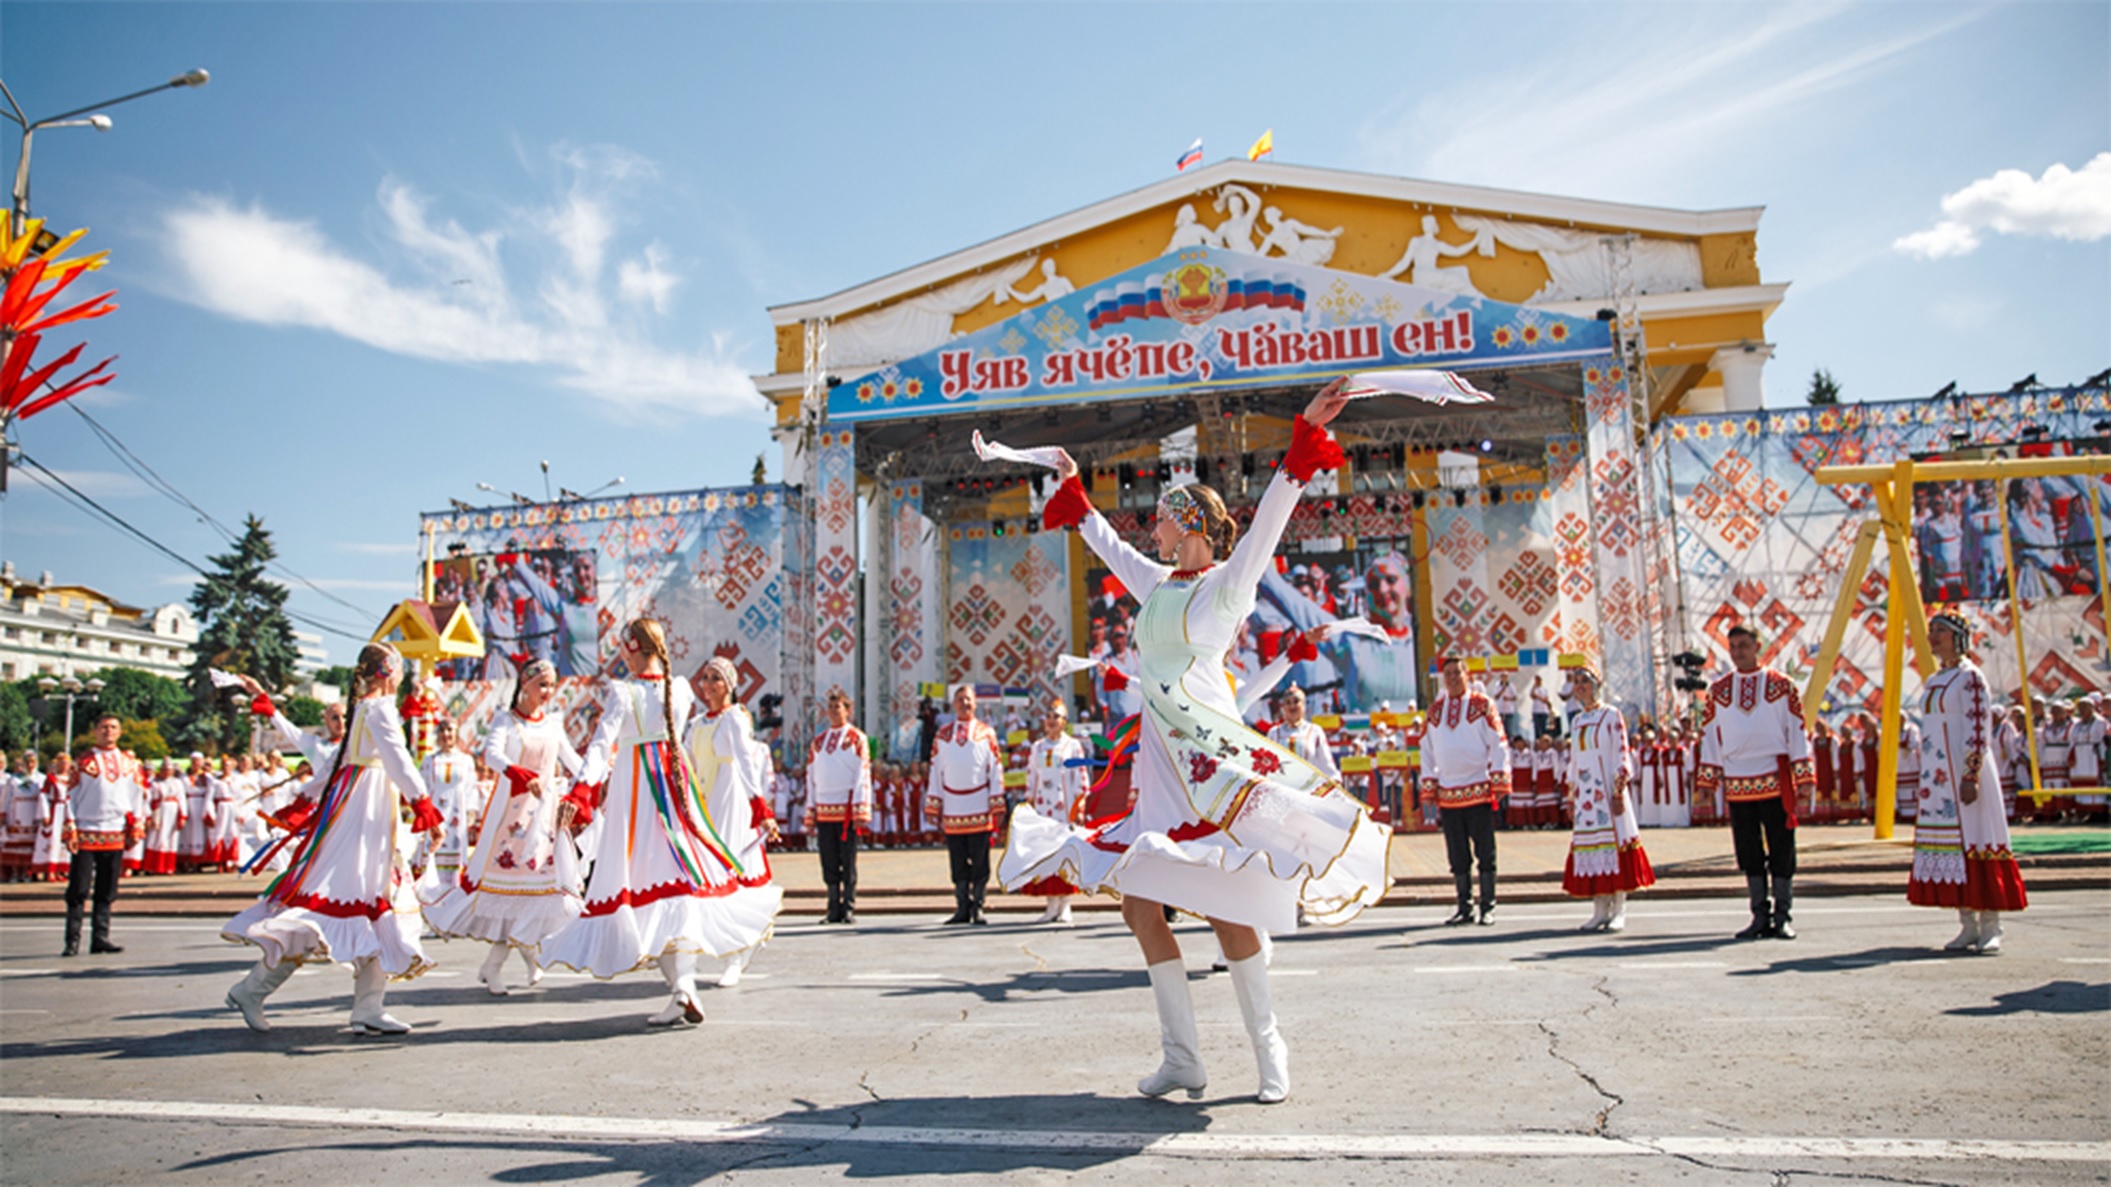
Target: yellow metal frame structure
1892, 487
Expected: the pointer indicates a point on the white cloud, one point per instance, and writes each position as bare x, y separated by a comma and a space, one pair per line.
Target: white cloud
379, 549
102, 484
1671, 94
531, 290
2062, 203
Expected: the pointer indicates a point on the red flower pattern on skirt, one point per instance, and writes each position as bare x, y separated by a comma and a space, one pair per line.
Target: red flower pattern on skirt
1200, 767
1264, 761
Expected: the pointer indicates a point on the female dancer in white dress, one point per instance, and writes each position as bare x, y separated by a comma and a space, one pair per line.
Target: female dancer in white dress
732, 770
1226, 824
1961, 856
1606, 861
660, 855
335, 902
520, 883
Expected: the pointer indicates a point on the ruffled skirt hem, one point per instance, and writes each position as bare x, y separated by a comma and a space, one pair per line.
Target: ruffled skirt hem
1992, 882
631, 937
1633, 874
310, 937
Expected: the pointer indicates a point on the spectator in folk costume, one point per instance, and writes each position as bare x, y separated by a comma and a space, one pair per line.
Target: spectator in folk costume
1822, 771
50, 860
1606, 862
1649, 765
1546, 783
2012, 753
18, 819
223, 846
165, 798
451, 776
1465, 770
108, 810
1506, 702
136, 847
517, 884
1909, 750
965, 794
1866, 768
662, 891
2085, 753
1690, 763
839, 804
1753, 747
1542, 706
732, 771
1847, 779
200, 794
336, 901
1300, 735
2056, 757
1961, 854
1226, 824
1056, 789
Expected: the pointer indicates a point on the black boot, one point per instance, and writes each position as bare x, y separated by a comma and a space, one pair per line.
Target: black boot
962, 913
73, 932
835, 904
850, 903
1784, 895
99, 930
1464, 884
1487, 897
976, 892
1762, 924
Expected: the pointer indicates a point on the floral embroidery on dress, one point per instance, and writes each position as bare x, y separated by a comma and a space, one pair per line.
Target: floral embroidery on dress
1265, 762
1200, 767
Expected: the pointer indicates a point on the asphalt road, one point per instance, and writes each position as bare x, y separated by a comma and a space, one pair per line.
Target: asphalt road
903, 1050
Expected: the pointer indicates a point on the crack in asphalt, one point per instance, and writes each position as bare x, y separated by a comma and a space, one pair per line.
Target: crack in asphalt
1040, 964
1785, 1177
1600, 1123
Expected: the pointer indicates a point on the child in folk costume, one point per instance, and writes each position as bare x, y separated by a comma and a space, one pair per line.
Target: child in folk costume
335, 904
450, 775
1055, 788
49, 860
519, 883
732, 770
1226, 824
164, 821
659, 858
1546, 783
1961, 856
1606, 862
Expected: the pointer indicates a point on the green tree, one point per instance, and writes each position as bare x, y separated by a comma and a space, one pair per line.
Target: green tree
136, 695
337, 676
762, 472
18, 726
144, 739
1823, 390
306, 712
242, 628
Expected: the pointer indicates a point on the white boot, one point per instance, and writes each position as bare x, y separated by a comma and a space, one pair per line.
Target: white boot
1049, 912
1249, 980
1989, 933
680, 970
527, 957
1063, 911
1182, 1065
1968, 936
736, 964
1601, 909
1267, 947
369, 984
493, 972
1616, 920
249, 993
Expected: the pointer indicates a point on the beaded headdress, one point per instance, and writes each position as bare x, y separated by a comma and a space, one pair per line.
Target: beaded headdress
1954, 623
1182, 507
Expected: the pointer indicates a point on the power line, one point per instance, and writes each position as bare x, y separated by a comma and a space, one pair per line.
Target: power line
162, 486
82, 502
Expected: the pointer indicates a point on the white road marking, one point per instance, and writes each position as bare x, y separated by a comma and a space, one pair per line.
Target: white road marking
2085, 960
25, 1011
1188, 1145
29, 972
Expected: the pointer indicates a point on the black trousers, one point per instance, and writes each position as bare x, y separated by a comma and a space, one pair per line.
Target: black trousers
839, 858
93, 874
970, 853
1765, 843
1469, 839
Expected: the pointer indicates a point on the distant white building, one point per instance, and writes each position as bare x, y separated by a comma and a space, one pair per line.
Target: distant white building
49, 629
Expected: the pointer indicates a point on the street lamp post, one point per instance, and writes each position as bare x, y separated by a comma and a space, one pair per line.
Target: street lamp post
19, 213
73, 689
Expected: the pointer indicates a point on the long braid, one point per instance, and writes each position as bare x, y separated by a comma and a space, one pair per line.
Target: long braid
371, 664
652, 638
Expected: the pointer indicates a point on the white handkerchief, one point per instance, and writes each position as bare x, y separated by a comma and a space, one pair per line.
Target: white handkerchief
1359, 625
995, 451
222, 679
1070, 665
1435, 387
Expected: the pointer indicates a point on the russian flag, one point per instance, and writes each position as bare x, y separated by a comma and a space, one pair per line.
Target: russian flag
1193, 156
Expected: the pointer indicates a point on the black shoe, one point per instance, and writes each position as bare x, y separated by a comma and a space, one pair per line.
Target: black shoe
1488, 915
73, 948
1464, 916
1782, 929
849, 916
101, 946
1759, 929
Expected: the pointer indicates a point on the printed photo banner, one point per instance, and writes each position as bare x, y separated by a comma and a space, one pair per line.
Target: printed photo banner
1205, 318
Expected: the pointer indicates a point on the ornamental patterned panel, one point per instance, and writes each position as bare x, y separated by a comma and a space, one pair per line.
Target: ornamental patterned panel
1007, 607
1760, 540
715, 567
914, 625
835, 593
1616, 494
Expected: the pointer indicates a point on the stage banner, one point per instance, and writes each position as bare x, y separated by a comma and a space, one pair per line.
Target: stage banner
1007, 608
1568, 510
1761, 541
913, 629
835, 621
1205, 318
1496, 581
1617, 488
558, 581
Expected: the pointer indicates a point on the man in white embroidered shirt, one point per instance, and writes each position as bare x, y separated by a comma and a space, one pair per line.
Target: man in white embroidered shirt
1753, 747
1466, 769
966, 796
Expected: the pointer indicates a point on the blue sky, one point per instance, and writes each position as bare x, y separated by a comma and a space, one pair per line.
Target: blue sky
396, 250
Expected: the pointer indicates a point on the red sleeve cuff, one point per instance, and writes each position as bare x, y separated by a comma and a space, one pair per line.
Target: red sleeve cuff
1311, 450
1114, 680
583, 798
1068, 507
262, 706
296, 816
1302, 650
424, 817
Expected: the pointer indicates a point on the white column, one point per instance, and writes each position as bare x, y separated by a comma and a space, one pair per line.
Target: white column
1741, 368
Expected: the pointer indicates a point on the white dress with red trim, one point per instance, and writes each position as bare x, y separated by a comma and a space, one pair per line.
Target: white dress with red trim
222, 843
164, 823
520, 883
20, 838
1961, 856
1226, 823
658, 856
49, 858
344, 897
1605, 850
733, 770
